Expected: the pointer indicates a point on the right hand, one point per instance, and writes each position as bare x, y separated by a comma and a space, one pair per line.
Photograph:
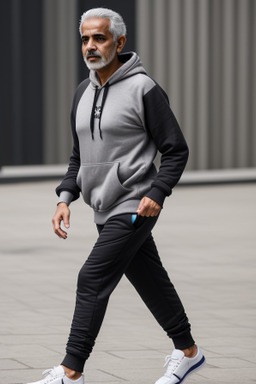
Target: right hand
62, 214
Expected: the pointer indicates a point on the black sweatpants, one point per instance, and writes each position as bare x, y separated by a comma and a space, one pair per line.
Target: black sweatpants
126, 248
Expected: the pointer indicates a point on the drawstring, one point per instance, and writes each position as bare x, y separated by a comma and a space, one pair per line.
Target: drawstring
102, 105
96, 95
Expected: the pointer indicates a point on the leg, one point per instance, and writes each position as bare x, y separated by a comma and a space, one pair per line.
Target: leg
151, 281
118, 243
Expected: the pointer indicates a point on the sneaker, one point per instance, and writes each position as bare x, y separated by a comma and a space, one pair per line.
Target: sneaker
179, 367
57, 376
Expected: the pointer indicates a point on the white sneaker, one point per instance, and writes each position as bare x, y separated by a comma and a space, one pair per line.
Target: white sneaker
179, 367
57, 376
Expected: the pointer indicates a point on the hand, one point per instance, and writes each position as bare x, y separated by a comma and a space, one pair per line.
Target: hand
62, 214
148, 207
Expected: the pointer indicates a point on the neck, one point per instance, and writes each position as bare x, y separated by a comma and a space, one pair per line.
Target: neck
106, 72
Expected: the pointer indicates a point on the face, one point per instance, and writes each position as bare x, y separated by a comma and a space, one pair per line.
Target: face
98, 46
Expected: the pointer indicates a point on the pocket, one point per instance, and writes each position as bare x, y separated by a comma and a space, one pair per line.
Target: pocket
137, 220
134, 217
100, 185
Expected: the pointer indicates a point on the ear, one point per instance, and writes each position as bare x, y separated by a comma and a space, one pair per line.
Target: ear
120, 43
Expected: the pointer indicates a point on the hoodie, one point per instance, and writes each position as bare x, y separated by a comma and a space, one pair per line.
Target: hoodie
117, 130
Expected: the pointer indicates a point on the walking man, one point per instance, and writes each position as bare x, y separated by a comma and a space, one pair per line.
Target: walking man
120, 119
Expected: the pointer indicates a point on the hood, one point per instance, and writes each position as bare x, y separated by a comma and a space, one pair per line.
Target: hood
132, 65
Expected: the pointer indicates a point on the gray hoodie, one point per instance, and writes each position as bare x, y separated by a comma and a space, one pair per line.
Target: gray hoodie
117, 130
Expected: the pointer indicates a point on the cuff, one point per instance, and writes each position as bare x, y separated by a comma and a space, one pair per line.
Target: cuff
183, 341
157, 195
74, 362
65, 197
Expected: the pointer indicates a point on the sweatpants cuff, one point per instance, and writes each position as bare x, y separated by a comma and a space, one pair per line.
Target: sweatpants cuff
74, 362
183, 341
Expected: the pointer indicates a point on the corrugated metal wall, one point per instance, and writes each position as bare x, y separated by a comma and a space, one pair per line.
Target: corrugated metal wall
60, 76
203, 53
21, 82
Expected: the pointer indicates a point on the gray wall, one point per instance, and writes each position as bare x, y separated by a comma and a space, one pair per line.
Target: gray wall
203, 53
21, 114
60, 56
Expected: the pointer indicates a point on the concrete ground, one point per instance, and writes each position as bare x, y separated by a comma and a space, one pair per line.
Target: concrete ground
206, 239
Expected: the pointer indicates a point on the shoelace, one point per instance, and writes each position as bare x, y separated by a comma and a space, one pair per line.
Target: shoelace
51, 373
172, 364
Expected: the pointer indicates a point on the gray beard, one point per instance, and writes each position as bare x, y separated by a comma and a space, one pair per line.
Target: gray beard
102, 62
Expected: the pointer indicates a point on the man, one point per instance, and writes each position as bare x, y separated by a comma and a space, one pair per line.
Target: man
120, 118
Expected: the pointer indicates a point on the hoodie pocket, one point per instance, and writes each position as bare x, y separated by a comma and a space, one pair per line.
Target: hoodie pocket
100, 185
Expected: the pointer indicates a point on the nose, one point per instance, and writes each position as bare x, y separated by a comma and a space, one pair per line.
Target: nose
91, 45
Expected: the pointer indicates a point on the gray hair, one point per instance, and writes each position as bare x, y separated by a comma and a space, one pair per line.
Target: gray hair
117, 25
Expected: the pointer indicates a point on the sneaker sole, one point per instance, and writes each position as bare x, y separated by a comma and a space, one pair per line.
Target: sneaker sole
193, 369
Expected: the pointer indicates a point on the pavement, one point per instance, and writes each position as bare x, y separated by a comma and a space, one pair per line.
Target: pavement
206, 239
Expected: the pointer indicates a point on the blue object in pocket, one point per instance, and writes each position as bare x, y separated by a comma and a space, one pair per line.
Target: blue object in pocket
134, 217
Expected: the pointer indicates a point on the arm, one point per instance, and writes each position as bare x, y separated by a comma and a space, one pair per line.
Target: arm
69, 184
68, 190
166, 134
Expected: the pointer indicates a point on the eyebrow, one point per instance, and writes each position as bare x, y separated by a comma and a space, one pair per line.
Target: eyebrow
95, 35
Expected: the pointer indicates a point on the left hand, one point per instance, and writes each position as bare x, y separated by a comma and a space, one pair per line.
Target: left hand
148, 207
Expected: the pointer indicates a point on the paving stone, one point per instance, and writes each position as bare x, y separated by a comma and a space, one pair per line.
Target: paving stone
206, 239
11, 364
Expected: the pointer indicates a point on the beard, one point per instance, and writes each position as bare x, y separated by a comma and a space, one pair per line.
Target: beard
101, 62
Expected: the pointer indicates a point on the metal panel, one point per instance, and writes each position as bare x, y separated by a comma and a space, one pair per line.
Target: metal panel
229, 84
202, 53
17, 101
243, 79
188, 66
253, 85
201, 97
173, 56
144, 35
21, 82
60, 74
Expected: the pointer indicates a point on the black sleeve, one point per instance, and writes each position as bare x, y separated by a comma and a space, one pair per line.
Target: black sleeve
166, 134
69, 182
